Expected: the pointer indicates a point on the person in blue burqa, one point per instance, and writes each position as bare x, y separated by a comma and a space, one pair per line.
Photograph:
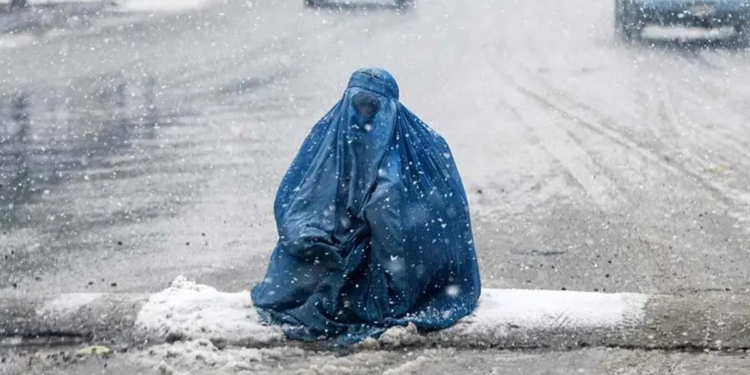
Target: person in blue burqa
374, 226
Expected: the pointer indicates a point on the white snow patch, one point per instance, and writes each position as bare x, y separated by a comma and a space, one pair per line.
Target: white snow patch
396, 337
409, 368
52, 2
195, 355
16, 41
161, 5
67, 304
369, 362
132, 5
543, 309
194, 311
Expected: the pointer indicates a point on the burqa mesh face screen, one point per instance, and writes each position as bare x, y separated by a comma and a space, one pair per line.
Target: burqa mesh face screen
366, 104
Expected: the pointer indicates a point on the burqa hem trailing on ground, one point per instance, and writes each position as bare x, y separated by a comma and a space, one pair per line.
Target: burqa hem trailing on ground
374, 225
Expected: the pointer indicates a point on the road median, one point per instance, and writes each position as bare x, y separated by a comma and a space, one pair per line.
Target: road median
505, 319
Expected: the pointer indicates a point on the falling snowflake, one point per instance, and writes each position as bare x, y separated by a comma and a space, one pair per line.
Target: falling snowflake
452, 291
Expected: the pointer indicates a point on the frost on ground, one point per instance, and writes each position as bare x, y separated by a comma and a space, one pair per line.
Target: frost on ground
187, 311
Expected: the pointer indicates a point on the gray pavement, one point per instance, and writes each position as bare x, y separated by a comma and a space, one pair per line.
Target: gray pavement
590, 165
408, 362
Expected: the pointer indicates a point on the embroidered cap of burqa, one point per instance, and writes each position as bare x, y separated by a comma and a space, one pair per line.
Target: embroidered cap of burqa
373, 222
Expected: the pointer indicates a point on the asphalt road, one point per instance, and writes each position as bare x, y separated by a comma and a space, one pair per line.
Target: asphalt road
421, 362
141, 146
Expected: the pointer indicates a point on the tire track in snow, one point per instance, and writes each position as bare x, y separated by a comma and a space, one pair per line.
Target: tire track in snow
569, 153
653, 149
598, 122
562, 146
660, 257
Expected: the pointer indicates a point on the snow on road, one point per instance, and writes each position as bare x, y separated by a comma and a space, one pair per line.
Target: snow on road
15, 41
161, 5
129, 5
589, 165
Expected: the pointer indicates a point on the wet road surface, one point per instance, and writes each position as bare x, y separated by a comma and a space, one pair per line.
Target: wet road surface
137, 147
428, 362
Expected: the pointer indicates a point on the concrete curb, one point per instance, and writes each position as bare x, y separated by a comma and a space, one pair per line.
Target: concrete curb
705, 322
507, 319
69, 317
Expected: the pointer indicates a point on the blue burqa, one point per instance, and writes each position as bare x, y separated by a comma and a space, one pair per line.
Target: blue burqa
373, 222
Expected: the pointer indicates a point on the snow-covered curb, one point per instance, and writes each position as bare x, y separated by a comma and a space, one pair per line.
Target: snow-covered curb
187, 312
544, 309
190, 311
502, 312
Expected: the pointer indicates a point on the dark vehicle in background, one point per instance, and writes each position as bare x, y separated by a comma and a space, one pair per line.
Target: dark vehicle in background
18, 4
632, 16
401, 4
